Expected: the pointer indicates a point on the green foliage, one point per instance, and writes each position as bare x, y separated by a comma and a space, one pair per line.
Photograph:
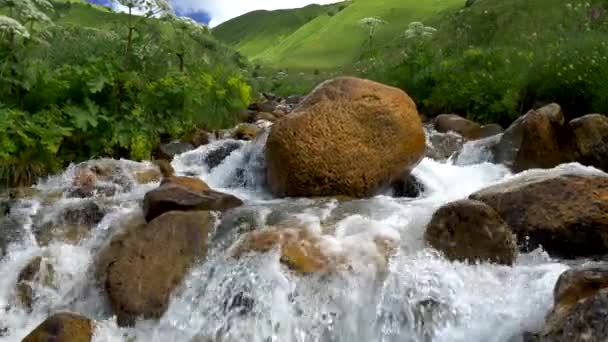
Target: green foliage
290, 39
71, 97
495, 60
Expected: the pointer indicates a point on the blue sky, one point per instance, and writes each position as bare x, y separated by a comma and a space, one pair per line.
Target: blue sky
214, 12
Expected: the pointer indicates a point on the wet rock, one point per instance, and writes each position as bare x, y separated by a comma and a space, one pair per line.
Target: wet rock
67, 233
455, 123
62, 327
441, 146
348, 137
245, 132
266, 116
566, 214
141, 267
237, 221
294, 99
170, 150
407, 186
89, 214
71, 225
471, 231
580, 302
171, 197
537, 139
189, 183
268, 103
490, 130
216, 156
25, 293
147, 176
12, 231
199, 138
590, 138
300, 250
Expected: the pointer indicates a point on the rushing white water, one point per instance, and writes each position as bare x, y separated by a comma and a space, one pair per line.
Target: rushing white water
416, 296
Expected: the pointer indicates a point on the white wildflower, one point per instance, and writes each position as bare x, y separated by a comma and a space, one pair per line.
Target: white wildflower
12, 27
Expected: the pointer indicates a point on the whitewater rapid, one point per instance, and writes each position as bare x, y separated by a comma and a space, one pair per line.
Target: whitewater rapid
416, 296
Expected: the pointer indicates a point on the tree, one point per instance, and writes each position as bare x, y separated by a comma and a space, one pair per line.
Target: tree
149, 8
185, 28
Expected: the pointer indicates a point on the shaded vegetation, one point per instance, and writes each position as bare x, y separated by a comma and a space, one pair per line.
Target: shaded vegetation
73, 89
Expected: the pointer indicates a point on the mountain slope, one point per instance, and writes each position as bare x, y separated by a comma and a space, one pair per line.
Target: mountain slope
331, 39
257, 31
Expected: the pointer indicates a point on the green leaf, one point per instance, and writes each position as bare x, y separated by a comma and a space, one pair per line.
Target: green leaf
96, 85
83, 118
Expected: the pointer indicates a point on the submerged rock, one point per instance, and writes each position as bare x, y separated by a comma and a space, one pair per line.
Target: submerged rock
141, 267
25, 293
216, 156
537, 139
300, 250
348, 137
580, 311
590, 135
62, 327
567, 215
172, 197
442, 146
407, 186
471, 231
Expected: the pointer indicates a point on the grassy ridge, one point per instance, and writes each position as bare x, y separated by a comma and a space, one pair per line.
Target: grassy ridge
257, 31
329, 41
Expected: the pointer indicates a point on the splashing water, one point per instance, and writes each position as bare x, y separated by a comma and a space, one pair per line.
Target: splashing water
415, 295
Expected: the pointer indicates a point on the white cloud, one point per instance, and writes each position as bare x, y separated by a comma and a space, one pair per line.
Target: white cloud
222, 10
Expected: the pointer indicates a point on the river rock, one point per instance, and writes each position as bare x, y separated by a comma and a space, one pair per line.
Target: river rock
490, 130
441, 146
580, 302
142, 266
348, 137
200, 137
590, 134
407, 186
245, 131
217, 155
190, 183
62, 327
25, 293
537, 139
170, 197
170, 150
455, 123
471, 231
300, 250
566, 214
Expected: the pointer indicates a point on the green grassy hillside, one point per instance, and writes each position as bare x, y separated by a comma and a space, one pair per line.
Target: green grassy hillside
258, 31
331, 39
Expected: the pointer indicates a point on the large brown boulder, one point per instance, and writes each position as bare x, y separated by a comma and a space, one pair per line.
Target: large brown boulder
590, 137
141, 267
348, 137
471, 231
566, 214
580, 302
172, 197
537, 139
455, 123
62, 327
